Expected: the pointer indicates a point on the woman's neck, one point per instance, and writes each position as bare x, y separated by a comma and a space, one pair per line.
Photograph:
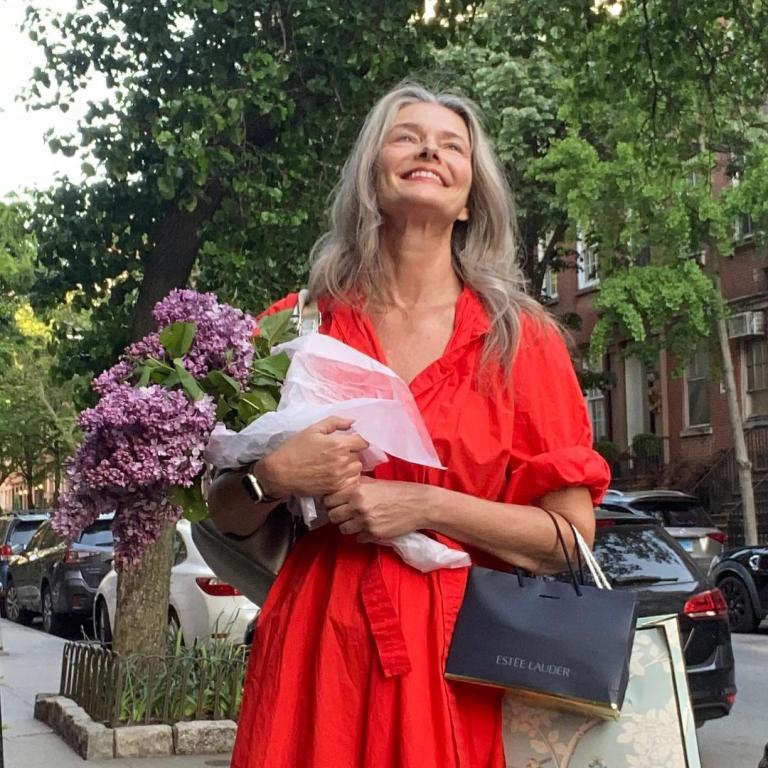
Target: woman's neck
419, 267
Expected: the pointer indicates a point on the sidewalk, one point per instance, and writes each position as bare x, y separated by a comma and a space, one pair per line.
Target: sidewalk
31, 664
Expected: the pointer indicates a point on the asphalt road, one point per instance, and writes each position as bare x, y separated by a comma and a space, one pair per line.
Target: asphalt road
737, 741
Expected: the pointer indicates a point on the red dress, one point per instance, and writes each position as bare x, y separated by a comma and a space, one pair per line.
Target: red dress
347, 665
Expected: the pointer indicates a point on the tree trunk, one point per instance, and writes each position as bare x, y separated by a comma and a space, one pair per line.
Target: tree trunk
56, 473
743, 464
170, 263
141, 619
141, 623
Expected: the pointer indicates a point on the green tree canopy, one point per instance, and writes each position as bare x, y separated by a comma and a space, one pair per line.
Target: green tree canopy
212, 158
610, 127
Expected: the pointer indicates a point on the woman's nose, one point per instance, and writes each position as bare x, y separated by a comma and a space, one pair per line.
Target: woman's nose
428, 150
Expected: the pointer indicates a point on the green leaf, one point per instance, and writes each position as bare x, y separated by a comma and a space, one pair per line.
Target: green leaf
278, 327
166, 187
177, 338
218, 382
144, 372
275, 366
188, 382
190, 500
220, 6
260, 399
87, 169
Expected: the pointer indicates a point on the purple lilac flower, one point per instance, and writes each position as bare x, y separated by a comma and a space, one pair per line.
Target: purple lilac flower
121, 372
224, 338
139, 524
138, 442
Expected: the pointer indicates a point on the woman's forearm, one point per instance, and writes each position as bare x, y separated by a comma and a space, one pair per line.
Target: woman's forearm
519, 534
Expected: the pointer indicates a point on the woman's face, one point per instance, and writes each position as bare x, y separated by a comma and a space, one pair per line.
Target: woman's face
425, 164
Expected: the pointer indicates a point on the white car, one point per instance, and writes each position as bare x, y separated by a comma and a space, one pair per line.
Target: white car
202, 606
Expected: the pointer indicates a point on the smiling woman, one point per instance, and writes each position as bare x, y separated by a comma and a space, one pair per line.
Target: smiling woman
418, 272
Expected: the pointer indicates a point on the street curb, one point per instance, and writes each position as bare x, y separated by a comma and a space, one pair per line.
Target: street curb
95, 741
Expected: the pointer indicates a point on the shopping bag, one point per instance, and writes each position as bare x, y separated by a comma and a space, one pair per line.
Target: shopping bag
655, 730
559, 643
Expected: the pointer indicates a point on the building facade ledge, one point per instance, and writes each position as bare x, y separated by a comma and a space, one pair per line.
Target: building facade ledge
700, 430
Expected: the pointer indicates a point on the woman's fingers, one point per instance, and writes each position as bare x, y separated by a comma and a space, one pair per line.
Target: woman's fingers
332, 424
351, 527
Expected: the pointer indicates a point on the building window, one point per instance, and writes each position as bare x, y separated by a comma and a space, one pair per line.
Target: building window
756, 353
587, 262
697, 391
549, 283
745, 227
596, 408
595, 398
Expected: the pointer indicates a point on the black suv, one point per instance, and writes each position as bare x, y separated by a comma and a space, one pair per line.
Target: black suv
56, 578
640, 555
742, 575
16, 529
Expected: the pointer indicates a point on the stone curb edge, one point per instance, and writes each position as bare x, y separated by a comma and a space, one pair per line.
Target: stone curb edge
95, 741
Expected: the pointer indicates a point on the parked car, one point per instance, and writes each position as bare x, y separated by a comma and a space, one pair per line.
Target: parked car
16, 529
681, 514
637, 553
202, 606
58, 579
742, 576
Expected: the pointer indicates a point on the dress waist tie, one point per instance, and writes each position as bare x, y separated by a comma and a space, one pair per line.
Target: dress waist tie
383, 619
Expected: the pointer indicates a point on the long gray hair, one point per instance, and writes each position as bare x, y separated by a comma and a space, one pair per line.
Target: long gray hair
347, 261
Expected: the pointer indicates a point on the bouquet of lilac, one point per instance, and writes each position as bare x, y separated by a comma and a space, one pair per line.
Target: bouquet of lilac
142, 451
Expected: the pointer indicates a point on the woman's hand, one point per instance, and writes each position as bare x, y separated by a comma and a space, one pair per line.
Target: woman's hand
316, 462
378, 509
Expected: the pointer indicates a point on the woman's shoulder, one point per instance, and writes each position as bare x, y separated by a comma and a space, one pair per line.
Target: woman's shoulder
287, 302
539, 332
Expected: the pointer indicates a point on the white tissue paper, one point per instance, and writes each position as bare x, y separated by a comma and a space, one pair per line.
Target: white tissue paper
329, 378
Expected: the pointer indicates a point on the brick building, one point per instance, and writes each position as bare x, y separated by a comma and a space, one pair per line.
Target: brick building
688, 414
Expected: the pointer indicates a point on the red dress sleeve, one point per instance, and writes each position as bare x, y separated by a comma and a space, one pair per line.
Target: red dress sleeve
289, 302
552, 437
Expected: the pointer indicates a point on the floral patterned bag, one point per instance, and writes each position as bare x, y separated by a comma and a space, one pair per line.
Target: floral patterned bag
656, 728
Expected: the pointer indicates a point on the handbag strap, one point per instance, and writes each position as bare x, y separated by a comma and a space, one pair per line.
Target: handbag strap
601, 580
582, 551
560, 538
306, 314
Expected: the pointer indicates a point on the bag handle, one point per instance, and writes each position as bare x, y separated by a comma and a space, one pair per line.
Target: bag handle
306, 314
582, 551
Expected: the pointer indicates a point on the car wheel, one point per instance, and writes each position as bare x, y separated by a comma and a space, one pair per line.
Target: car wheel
13, 608
102, 627
52, 621
741, 614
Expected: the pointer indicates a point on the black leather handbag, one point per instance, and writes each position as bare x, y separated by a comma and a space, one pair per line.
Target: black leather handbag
553, 643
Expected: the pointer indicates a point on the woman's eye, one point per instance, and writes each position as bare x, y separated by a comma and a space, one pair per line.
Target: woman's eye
455, 147
405, 137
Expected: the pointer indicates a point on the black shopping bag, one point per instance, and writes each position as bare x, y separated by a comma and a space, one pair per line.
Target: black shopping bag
553, 643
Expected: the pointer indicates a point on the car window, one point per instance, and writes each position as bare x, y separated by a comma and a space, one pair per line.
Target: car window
676, 513
639, 552
4, 523
50, 537
22, 532
98, 534
37, 538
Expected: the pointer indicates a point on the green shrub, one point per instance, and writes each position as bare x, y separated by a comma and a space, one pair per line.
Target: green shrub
608, 450
646, 446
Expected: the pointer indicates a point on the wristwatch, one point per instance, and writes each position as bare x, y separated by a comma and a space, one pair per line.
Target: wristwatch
253, 488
